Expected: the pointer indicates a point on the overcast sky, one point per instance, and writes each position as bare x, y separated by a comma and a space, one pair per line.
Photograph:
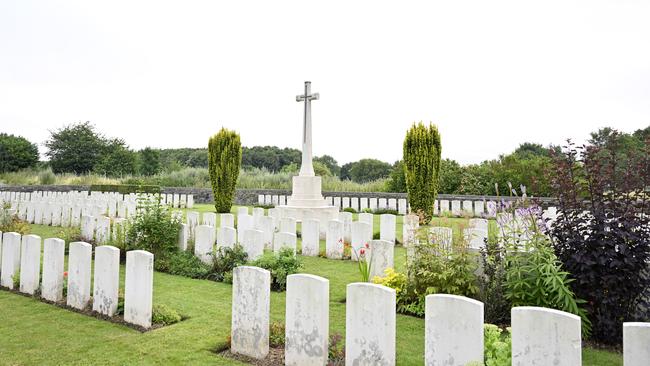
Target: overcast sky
490, 74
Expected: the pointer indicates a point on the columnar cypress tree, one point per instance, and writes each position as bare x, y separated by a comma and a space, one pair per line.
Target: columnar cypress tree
421, 166
224, 160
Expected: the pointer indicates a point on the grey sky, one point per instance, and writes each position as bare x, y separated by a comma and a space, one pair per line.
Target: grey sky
490, 74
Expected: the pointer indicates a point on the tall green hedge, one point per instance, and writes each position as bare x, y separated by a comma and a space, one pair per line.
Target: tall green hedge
224, 160
421, 167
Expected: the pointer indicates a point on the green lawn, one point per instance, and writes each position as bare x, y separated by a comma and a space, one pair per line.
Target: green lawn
35, 333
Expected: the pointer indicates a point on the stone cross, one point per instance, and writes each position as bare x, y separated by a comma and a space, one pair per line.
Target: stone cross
306, 167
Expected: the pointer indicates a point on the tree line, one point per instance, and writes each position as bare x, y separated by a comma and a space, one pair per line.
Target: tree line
80, 148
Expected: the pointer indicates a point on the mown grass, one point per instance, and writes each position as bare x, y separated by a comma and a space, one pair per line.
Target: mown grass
35, 333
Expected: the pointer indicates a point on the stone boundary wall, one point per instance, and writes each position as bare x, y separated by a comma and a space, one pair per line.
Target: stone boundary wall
251, 196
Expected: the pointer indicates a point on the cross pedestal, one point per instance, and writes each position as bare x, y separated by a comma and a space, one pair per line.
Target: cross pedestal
306, 201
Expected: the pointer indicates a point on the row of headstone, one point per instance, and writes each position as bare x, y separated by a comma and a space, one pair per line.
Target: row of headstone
101, 230
453, 326
21, 256
66, 208
357, 203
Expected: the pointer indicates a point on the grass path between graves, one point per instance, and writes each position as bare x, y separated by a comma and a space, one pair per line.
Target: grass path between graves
36, 333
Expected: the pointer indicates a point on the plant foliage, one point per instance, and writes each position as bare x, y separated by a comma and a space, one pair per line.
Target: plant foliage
224, 161
421, 167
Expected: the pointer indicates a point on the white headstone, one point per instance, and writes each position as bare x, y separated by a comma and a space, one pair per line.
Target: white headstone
387, 227
368, 218
442, 236
88, 227
192, 218
543, 336
381, 257
479, 208
244, 222
106, 280
57, 211
204, 243
242, 210
334, 240
307, 320
346, 219
468, 208
284, 240
190, 201
138, 288
369, 324
310, 237
53, 267
227, 220
253, 243
30, 264
479, 224
258, 213
360, 238
227, 237
453, 330
455, 208
103, 230
475, 237
251, 303
444, 206
183, 236
401, 206
79, 262
210, 219
266, 225
636, 344
288, 225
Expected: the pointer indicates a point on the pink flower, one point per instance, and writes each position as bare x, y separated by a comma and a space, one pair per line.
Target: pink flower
362, 251
367, 245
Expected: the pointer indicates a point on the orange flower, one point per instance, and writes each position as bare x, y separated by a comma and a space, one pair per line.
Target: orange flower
65, 274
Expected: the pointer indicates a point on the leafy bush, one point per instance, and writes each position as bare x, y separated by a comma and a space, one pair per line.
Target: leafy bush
182, 263
492, 285
280, 265
16, 153
224, 160
46, 177
224, 260
497, 345
421, 167
276, 334
153, 228
164, 315
602, 232
350, 210
433, 270
11, 223
381, 211
336, 350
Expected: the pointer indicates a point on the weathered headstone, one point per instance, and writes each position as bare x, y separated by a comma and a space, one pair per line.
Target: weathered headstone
138, 288
334, 240
360, 238
307, 320
370, 324
227, 237
183, 236
475, 237
636, 344
381, 257
253, 243
210, 219
251, 303
453, 330
542, 336
103, 230
53, 267
346, 219
267, 226
288, 225
88, 227
387, 227
106, 280
311, 237
283, 240
79, 262
368, 218
455, 208
204, 243
244, 222
30, 264
227, 220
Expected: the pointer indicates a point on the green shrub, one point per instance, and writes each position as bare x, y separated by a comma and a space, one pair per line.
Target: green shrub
46, 177
382, 211
153, 228
421, 167
276, 334
11, 223
280, 265
224, 260
224, 160
164, 315
182, 263
350, 210
497, 345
